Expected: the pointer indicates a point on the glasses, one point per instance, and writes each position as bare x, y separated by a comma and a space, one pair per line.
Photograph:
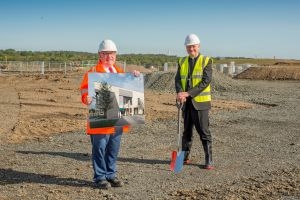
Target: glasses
108, 53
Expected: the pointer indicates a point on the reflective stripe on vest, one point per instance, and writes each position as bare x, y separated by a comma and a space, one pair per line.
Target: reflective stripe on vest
84, 91
104, 130
196, 76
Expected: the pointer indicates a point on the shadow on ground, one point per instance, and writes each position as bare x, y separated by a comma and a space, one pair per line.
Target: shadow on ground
10, 176
86, 157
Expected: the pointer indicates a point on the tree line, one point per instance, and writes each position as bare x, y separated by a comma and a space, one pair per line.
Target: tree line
146, 60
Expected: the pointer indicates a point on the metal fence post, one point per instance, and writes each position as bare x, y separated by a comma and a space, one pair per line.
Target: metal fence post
43, 68
21, 68
65, 67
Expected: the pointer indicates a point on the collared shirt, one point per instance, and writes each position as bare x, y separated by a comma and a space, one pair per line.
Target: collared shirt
108, 69
192, 62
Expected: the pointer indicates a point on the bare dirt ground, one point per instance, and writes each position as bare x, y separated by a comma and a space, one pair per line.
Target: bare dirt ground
39, 106
45, 153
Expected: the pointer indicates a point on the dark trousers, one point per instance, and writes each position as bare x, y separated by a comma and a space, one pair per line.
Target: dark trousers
199, 119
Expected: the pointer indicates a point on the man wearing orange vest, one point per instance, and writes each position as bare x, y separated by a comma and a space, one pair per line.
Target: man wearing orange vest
105, 141
192, 83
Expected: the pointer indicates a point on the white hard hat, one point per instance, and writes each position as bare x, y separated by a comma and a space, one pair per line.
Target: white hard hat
107, 45
191, 39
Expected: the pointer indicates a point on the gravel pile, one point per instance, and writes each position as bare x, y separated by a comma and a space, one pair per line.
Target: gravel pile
160, 81
164, 81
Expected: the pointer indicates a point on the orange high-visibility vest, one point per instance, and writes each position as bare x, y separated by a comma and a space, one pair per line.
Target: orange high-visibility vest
84, 92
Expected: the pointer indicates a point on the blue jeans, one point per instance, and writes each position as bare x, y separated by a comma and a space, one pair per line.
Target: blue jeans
105, 149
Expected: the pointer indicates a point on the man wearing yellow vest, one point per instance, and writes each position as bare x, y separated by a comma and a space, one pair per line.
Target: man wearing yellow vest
192, 83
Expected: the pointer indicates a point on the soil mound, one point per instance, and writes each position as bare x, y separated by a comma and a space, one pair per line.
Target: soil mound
271, 73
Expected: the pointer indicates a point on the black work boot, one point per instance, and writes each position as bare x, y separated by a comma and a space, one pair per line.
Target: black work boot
186, 159
207, 146
186, 146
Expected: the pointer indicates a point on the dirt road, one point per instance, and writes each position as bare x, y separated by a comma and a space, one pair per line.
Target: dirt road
45, 153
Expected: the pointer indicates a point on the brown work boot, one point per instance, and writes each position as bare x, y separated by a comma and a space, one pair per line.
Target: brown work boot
115, 182
102, 184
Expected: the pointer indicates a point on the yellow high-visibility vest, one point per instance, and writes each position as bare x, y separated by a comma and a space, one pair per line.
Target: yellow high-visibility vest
196, 76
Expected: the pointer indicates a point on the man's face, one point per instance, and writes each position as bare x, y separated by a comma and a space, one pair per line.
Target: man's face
108, 58
193, 50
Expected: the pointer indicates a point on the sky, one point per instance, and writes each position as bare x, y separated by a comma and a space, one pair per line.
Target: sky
125, 80
235, 28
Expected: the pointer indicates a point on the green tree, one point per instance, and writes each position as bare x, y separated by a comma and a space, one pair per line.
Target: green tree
103, 98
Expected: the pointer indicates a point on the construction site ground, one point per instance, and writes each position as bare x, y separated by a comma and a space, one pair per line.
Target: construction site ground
255, 123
